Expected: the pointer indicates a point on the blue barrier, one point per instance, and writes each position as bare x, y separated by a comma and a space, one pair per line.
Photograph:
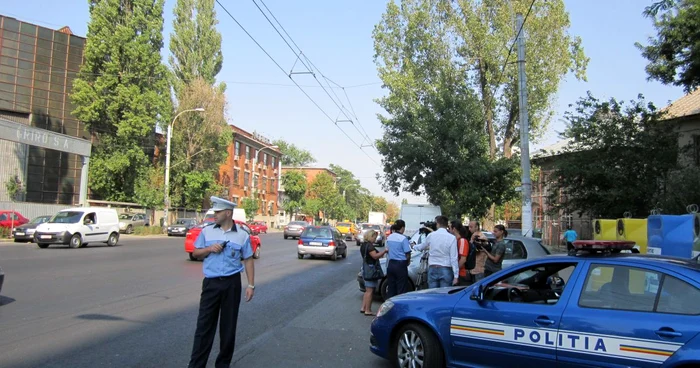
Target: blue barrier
673, 235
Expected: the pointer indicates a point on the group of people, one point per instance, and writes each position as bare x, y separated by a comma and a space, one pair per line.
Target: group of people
457, 255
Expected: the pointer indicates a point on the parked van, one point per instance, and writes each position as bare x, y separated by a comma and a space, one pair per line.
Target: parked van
238, 215
79, 226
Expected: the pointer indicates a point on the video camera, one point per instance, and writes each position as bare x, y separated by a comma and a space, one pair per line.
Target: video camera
427, 226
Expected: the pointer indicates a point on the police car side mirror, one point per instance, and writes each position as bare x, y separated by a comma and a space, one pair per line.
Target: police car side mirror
478, 294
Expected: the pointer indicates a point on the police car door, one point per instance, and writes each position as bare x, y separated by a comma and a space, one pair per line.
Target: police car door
515, 325
627, 314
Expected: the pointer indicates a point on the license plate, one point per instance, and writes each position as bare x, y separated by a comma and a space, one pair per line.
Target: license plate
46, 236
315, 243
19, 234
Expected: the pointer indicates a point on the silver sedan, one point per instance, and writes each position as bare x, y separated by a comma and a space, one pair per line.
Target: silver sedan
518, 249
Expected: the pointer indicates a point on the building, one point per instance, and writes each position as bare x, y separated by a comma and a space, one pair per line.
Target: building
253, 170
310, 173
40, 139
685, 114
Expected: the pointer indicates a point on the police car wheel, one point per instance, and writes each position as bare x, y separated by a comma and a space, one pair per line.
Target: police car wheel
416, 346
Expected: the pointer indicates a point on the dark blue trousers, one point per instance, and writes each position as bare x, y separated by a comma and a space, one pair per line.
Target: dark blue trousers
397, 277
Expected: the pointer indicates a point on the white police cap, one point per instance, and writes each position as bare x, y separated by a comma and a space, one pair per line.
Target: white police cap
220, 204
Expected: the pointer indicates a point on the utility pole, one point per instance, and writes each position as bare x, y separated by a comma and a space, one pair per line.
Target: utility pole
526, 183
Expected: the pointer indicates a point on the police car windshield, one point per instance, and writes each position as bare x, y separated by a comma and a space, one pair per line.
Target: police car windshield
66, 217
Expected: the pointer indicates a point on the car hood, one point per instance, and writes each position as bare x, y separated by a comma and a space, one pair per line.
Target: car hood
27, 226
429, 294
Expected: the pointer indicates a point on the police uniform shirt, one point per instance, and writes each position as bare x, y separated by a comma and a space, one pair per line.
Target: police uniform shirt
229, 260
398, 246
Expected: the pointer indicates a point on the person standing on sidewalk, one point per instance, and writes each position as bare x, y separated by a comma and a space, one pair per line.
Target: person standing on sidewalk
494, 258
226, 252
399, 259
570, 237
443, 269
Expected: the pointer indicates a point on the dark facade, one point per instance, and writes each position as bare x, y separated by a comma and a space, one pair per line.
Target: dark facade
37, 69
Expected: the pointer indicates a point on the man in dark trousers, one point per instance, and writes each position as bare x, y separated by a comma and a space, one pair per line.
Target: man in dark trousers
225, 251
399, 258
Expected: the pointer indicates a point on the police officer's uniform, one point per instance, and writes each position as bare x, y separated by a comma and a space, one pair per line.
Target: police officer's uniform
221, 289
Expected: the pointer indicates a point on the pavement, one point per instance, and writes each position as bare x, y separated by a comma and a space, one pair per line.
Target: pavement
135, 305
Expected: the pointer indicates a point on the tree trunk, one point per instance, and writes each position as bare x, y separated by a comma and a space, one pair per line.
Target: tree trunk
487, 101
510, 137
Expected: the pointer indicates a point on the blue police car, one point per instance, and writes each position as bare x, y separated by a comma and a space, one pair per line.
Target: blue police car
593, 310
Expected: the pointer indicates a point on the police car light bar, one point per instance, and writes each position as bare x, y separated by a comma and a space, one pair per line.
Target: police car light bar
603, 245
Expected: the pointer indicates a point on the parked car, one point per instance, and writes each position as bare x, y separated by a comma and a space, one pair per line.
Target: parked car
378, 228
347, 229
322, 241
79, 226
294, 229
25, 233
128, 221
574, 311
259, 227
194, 232
10, 219
181, 226
518, 249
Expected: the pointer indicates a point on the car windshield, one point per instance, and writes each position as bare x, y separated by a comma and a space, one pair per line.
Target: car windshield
40, 220
298, 223
373, 227
184, 221
244, 226
315, 232
124, 216
66, 217
344, 224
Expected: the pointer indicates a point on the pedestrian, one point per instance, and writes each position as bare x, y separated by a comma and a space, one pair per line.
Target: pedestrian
570, 237
370, 256
443, 269
226, 252
399, 259
480, 242
494, 258
462, 234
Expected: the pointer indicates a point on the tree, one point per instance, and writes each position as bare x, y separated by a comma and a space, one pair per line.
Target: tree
195, 44
294, 183
619, 158
353, 192
293, 155
199, 145
433, 141
322, 188
148, 191
392, 212
122, 92
251, 207
15, 188
379, 204
404, 201
674, 53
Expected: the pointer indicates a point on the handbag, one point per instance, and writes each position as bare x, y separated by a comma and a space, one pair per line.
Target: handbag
371, 271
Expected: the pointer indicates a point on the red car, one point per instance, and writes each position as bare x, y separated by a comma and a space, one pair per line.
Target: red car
259, 227
11, 219
194, 233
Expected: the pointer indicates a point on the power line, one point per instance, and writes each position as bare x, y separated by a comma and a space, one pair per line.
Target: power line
293, 81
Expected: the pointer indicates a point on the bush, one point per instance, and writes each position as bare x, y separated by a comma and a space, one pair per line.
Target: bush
148, 230
5, 232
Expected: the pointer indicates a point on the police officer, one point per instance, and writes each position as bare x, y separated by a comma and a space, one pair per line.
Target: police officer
225, 251
399, 259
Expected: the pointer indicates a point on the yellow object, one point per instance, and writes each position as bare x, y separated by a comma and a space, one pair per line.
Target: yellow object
634, 230
604, 229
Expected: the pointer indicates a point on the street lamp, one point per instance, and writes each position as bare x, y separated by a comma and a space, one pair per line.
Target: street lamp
167, 161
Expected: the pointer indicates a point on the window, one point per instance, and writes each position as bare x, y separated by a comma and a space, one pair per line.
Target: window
678, 297
255, 181
264, 184
236, 177
237, 148
247, 152
540, 284
265, 159
274, 162
620, 287
246, 179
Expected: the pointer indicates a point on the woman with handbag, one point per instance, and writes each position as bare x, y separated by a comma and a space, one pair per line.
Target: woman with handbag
371, 269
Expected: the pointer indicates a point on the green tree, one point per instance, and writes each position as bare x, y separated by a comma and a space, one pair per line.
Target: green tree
251, 207
433, 140
149, 188
619, 158
674, 53
293, 155
122, 92
294, 183
352, 191
404, 201
195, 44
323, 189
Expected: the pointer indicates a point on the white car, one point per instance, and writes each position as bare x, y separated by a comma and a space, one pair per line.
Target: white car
79, 226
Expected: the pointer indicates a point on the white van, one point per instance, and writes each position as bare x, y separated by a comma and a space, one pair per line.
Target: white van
79, 226
238, 214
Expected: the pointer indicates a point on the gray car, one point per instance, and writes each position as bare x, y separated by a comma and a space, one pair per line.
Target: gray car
366, 227
181, 226
128, 221
294, 229
25, 233
518, 249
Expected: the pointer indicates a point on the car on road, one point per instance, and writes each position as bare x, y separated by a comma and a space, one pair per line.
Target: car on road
322, 241
128, 221
347, 229
181, 226
518, 249
79, 226
25, 233
194, 232
366, 227
259, 227
294, 229
586, 310
10, 219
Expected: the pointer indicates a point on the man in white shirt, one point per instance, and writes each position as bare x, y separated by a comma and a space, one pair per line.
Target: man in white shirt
443, 268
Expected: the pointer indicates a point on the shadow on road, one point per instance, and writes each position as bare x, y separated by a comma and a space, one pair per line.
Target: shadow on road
5, 300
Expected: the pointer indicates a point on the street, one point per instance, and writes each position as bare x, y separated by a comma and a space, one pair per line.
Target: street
135, 305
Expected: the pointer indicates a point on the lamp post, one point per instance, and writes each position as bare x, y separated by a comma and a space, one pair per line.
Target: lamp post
255, 168
167, 162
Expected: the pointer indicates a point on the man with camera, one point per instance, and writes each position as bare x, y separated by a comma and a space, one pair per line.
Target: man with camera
443, 268
481, 244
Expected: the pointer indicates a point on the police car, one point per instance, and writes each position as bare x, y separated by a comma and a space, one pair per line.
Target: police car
591, 309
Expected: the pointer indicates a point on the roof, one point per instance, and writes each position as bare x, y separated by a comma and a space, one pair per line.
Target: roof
552, 150
685, 106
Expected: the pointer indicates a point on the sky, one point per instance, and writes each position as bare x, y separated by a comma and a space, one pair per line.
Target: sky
336, 36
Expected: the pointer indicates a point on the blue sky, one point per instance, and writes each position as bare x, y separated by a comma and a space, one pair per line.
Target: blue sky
336, 36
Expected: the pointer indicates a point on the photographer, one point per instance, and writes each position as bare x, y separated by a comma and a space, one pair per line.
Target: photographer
443, 269
481, 244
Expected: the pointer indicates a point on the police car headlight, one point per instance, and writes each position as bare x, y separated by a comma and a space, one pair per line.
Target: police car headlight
385, 308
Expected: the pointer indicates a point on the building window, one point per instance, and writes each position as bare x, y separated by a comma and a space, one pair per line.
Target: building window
265, 159
264, 184
236, 177
255, 181
237, 148
246, 179
255, 154
272, 186
274, 162
247, 152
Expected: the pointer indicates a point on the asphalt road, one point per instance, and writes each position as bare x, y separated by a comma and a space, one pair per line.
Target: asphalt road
135, 305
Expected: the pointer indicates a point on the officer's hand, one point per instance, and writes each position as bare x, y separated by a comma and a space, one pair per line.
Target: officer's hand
216, 248
249, 294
